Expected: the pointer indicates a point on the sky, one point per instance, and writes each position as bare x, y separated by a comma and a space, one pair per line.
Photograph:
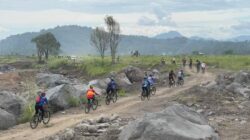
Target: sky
218, 19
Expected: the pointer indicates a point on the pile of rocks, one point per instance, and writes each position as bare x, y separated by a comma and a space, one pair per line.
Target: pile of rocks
103, 128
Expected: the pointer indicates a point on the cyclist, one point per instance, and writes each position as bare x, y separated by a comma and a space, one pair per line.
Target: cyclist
171, 76
203, 67
145, 85
111, 86
91, 94
41, 100
180, 75
151, 80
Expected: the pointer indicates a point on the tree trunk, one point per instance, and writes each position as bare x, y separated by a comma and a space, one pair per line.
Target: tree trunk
47, 54
102, 60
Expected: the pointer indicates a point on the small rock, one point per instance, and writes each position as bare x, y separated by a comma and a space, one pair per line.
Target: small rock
200, 111
103, 119
190, 104
243, 122
210, 113
63, 112
114, 117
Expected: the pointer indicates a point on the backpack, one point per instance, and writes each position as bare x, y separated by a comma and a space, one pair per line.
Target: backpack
38, 99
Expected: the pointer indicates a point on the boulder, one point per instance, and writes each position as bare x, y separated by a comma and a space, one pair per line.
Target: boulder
242, 77
176, 122
50, 80
122, 80
60, 97
134, 74
6, 119
11, 103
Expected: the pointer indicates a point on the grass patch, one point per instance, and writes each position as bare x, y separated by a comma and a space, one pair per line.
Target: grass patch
27, 114
74, 102
121, 93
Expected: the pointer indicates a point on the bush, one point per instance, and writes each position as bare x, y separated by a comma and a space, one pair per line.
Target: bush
74, 102
27, 114
121, 93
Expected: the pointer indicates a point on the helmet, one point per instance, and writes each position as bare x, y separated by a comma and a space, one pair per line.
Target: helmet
91, 87
111, 78
43, 94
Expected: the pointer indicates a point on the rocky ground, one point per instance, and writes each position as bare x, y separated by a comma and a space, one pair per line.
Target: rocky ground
224, 102
220, 104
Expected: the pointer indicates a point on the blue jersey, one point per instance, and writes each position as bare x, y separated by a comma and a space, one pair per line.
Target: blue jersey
112, 85
42, 101
145, 83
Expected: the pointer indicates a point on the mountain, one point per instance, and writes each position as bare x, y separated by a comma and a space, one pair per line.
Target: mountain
241, 38
75, 40
169, 35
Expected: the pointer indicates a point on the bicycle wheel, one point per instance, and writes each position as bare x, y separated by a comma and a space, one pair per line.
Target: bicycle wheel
46, 117
107, 100
115, 96
148, 96
94, 104
87, 108
143, 95
153, 90
34, 121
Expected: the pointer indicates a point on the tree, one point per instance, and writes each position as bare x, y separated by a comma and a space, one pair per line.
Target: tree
46, 44
100, 39
114, 35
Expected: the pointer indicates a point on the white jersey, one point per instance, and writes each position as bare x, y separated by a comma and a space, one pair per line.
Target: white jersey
203, 65
179, 74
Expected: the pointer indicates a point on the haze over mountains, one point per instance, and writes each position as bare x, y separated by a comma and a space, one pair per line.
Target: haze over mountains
75, 40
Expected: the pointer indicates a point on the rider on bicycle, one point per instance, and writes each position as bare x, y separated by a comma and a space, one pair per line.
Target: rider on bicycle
91, 94
171, 76
111, 86
41, 100
146, 85
151, 80
180, 75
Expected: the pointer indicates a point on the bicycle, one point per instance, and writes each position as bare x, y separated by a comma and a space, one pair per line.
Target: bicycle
152, 90
111, 96
93, 103
144, 95
180, 82
171, 83
37, 118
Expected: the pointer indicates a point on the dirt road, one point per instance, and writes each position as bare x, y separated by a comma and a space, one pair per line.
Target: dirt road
127, 106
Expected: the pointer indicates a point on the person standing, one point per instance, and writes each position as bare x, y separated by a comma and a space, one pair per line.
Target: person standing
190, 63
198, 65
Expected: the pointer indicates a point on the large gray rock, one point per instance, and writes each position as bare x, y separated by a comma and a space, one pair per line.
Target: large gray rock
122, 80
59, 97
134, 74
6, 119
50, 80
176, 122
11, 103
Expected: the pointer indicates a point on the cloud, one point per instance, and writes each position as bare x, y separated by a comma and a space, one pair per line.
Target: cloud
242, 26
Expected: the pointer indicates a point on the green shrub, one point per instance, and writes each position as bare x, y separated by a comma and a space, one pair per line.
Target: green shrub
121, 93
27, 113
73, 102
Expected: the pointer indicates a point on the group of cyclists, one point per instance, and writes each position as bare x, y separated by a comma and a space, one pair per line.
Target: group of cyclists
147, 83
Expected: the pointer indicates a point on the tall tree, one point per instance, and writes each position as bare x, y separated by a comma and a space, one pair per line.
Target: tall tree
46, 44
100, 39
114, 35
